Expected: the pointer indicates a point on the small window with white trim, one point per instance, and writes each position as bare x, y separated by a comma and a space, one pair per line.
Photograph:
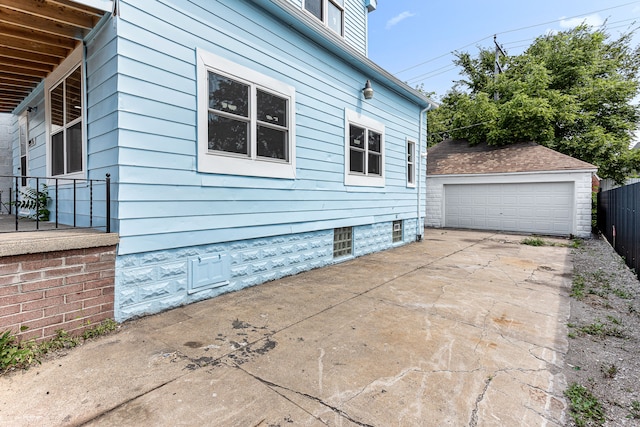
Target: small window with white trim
396, 234
245, 120
329, 12
411, 164
364, 151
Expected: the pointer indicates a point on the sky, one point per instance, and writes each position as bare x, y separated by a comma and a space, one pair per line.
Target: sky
415, 39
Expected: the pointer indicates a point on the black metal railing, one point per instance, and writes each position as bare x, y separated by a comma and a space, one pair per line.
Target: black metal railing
74, 202
619, 222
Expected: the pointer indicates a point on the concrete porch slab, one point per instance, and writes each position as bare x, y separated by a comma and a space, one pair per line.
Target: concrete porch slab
465, 328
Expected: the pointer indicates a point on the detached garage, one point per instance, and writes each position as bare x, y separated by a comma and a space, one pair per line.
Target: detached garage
523, 187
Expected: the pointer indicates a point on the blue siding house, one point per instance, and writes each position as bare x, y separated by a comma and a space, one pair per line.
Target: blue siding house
246, 140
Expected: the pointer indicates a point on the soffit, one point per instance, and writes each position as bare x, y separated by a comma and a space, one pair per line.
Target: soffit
35, 37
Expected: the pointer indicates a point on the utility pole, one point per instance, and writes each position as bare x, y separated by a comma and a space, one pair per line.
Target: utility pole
497, 68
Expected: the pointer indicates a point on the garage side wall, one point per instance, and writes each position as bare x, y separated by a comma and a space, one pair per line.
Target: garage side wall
581, 180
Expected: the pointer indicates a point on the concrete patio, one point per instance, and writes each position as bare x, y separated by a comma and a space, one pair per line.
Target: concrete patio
462, 329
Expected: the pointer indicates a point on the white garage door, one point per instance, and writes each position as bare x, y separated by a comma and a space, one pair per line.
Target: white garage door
544, 208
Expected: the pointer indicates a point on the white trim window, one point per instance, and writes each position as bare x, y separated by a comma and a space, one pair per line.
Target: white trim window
246, 123
23, 137
411, 163
64, 116
329, 12
364, 151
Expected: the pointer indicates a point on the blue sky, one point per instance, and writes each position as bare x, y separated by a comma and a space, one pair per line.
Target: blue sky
413, 39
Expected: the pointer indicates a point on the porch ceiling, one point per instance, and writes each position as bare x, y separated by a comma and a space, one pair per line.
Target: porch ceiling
36, 36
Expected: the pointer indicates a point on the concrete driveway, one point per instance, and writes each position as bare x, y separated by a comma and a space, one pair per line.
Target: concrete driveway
462, 329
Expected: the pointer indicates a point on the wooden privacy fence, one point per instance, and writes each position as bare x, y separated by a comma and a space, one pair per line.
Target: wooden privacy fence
619, 222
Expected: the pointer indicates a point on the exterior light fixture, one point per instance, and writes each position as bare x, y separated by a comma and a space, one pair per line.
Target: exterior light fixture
367, 91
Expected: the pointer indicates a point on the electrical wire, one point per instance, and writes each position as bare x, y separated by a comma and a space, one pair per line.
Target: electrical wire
515, 30
435, 72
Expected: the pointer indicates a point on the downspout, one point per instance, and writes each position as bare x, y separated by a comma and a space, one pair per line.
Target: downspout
420, 156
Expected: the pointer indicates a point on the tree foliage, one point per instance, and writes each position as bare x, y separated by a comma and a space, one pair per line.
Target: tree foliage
571, 91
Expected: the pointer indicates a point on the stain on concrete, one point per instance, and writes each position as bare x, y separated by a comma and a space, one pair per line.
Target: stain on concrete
504, 321
193, 344
239, 324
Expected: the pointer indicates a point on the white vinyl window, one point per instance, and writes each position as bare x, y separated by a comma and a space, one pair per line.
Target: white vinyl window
411, 164
245, 121
364, 151
329, 12
23, 125
65, 103
65, 118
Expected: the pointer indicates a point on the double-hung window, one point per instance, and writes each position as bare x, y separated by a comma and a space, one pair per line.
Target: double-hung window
329, 12
245, 121
411, 164
364, 150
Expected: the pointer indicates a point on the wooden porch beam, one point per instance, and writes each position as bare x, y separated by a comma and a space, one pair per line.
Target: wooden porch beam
16, 78
35, 43
51, 11
25, 64
24, 20
8, 52
23, 71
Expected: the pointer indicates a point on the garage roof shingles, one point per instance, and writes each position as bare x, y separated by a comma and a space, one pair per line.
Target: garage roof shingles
457, 157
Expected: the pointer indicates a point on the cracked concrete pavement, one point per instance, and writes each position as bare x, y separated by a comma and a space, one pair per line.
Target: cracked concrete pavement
464, 329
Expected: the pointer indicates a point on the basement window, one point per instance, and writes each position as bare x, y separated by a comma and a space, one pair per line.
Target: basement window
342, 242
396, 235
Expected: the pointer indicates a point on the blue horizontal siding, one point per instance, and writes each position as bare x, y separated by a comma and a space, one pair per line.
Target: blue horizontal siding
164, 202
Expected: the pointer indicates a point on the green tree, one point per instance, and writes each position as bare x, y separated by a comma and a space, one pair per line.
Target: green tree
571, 91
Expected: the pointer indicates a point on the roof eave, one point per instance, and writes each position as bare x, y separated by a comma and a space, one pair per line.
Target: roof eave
312, 28
537, 172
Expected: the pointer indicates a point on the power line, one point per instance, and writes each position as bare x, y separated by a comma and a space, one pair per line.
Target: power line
434, 73
514, 30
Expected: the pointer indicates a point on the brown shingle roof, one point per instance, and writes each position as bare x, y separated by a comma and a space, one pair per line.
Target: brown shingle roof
457, 157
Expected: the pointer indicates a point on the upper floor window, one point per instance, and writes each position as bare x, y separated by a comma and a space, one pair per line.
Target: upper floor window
245, 121
330, 12
364, 151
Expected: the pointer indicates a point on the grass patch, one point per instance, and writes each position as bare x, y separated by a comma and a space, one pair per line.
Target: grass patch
12, 354
533, 241
21, 355
621, 293
585, 409
102, 328
578, 287
609, 371
601, 330
634, 412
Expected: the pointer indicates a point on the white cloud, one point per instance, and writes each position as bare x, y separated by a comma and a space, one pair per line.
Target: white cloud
590, 20
398, 18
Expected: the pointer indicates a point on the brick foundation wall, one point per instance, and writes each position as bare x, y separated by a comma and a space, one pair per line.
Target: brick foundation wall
43, 292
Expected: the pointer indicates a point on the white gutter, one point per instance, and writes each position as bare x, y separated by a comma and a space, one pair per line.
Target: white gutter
312, 28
